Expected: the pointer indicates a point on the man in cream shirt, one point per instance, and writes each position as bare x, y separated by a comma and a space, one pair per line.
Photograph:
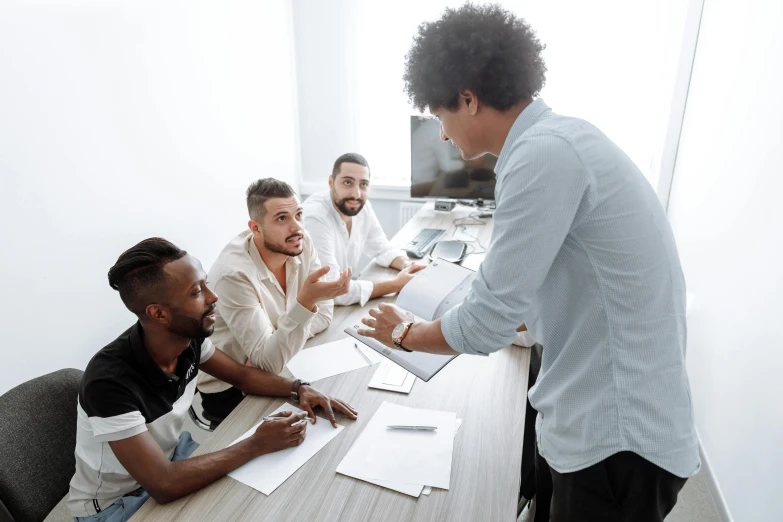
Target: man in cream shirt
272, 295
343, 227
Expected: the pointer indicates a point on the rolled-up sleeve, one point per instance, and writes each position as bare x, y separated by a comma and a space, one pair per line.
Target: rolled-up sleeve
538, 196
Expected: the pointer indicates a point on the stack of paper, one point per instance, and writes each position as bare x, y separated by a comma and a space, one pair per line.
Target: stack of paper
403, 460
326, 360
267, 472
392, 377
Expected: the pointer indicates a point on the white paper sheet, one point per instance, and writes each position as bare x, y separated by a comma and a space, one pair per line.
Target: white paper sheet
267, 472
392, 377
326, 360
413, 490
395, 375
403, 456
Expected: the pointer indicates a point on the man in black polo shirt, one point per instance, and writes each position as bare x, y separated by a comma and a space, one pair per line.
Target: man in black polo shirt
136, 392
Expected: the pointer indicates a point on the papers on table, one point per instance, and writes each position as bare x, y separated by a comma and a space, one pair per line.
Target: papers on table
413, 490
267, 472
326, 360
403, 460
428, 489
392, 377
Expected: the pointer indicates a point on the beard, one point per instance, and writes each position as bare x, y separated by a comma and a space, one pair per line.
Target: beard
284, 248
340, 204
190, 327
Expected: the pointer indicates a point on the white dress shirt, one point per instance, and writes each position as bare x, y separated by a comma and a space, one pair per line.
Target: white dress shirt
339, 249
255, 319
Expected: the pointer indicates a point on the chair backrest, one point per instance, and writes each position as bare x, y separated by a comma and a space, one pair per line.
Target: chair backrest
37, 442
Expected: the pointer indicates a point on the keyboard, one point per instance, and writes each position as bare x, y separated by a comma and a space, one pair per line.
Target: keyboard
420, 245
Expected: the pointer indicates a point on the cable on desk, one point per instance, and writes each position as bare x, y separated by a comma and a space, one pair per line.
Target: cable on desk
463, 224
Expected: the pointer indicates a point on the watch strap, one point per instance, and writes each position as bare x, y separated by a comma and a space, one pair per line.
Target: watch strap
398, 341
295, 388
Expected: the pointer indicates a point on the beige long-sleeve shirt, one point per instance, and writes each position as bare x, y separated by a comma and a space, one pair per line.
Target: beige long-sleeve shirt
255, 319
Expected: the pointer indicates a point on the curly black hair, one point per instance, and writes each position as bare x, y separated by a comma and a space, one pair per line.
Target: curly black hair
482, 48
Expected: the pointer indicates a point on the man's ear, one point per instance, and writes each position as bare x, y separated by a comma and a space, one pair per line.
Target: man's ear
158, 314
331, 181
254, 227
470, 101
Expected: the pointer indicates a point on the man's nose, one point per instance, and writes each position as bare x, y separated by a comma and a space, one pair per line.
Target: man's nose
443, 134
296, 226
211, 297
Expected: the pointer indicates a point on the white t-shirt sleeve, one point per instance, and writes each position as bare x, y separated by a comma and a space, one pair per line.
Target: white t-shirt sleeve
207, 350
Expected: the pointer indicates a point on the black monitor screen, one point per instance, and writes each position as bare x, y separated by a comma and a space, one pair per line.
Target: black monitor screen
438, 170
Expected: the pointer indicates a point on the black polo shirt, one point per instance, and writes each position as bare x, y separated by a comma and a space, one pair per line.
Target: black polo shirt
123, 393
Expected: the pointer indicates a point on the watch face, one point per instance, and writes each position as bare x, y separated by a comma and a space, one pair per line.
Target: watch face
398, 330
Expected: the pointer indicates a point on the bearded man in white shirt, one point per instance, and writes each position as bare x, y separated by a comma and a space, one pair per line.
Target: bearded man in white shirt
344, 226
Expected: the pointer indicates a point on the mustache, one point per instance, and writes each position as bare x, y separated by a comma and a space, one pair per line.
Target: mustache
210, 311
347, 200
292, 236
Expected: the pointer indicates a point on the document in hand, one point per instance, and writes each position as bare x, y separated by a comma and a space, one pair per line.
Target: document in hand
267, 472
326, 360
408, 458
434, 291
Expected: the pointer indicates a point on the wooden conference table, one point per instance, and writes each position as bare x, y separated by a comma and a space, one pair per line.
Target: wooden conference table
488, 393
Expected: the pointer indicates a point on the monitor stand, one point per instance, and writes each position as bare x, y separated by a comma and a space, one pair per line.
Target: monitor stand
478, 203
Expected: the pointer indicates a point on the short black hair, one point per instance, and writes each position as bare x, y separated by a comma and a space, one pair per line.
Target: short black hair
260, 191
482, 48
138, 273
349, 157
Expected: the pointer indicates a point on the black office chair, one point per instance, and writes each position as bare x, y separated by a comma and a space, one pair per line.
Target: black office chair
37, 443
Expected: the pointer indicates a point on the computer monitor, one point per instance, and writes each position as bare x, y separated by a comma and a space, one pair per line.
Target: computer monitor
438, 170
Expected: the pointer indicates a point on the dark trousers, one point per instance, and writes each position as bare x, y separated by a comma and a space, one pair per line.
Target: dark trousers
527, 485
217, 406
621, 488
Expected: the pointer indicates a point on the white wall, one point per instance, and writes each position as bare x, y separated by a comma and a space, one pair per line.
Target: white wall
324, 34
726, 213
121, 120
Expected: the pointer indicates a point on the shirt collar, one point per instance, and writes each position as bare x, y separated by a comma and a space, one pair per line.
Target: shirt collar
337, 217
149, 368
524, 121
264, 272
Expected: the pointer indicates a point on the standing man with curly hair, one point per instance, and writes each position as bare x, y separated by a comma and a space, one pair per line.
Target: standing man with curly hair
582, 255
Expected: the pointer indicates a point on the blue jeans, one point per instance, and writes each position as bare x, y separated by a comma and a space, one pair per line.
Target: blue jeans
125, 507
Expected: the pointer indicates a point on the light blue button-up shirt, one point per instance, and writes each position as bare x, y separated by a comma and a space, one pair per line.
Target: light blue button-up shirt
583, 254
